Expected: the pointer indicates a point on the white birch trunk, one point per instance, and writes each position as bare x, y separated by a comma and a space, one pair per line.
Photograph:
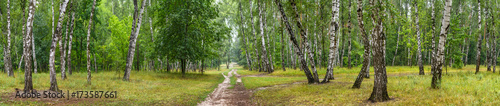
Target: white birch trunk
55, 38
68, 57
419, 50
438, 65
28, 83
264, 51
133, 39
7, 56
334, 25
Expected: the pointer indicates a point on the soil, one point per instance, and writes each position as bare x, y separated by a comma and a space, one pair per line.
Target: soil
224, 96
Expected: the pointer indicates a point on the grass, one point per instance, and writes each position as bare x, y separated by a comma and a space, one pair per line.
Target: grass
149, 88
256, 82
459, 87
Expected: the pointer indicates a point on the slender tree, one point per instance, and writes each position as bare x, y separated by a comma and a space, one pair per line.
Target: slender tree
136, 26
397, 45
307, 47
334, 25
255, 37
28, 83
264, 50
366, 43
438, 65
308, 74
62, 46
245, 40
7, 58
70, 42
479, 38
89, 76
349, 36
33, 45
55, 38
419, 50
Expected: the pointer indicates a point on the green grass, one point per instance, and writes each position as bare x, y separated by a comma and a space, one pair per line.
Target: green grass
150, 88
255, 82
459, 87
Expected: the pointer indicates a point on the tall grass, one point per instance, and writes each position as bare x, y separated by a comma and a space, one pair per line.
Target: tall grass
144, 87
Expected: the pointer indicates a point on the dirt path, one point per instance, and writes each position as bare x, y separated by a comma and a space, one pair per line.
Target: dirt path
223, 95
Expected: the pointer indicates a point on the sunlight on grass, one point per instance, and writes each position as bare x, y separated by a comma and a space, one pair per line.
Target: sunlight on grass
144, 88
459, 87
255, 82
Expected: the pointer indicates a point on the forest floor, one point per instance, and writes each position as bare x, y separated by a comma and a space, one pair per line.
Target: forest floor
229, 94
405, 87
145, 87
239, 86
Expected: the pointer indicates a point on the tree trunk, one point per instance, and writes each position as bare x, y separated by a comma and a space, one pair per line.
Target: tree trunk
28, 83
309, 76
7, 56
433, 43
479, 38
494, 46
255, 35
487, 37
70, 42
133, 39
227, 62
419, 50
282, 48
306, 44
349, 37
55, 38
334, 25
33, 45
396, 51
62, 47
366, 43
379, 93
89, 76
264, 51
436, 78
245, 40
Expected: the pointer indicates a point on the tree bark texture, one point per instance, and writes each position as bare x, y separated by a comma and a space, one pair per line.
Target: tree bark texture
366, 45
436, 77
55, 39
309, 76
133, 39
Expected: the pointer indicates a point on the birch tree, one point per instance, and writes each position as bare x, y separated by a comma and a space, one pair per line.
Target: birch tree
7, 56
257, 56
264, 51
28, 83
55, 38
419, 50
62, 47
70, 42
245, 40
438, 65
479, 38
304, 37
349, 37
302, 59
334, 25
89, 76
366, 45
379, 93
136, 26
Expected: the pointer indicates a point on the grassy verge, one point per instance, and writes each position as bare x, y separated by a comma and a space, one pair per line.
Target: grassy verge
459, 87
144, 88
255, 82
